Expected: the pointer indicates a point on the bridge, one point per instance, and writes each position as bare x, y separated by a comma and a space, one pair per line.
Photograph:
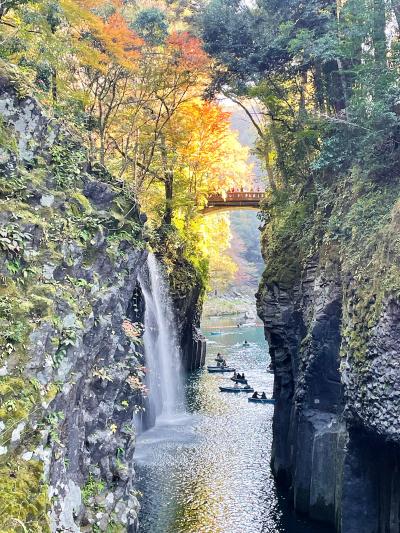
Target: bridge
234, 200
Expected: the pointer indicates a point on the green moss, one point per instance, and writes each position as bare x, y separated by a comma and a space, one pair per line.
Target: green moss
16, 79
115, 528
92, 488
354, 227
23, 496
7, 138
15, 327
41, 307
285, 239
84, 203
19, 398
24, 212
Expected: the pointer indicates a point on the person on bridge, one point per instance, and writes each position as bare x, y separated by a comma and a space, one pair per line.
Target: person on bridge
255, 395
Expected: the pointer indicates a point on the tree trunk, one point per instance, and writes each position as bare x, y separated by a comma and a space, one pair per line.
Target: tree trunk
379, 35
396, 10
168, 182
343, 84
54, 85
169, 189
102, 151
302, 102
319, 89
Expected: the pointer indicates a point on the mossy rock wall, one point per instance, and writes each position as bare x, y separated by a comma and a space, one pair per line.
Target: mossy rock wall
69, 259
330, 302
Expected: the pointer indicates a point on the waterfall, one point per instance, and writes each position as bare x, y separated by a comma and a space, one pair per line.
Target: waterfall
162, 352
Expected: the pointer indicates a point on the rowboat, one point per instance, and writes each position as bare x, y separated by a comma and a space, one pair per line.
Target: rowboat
236, 380
220, 369
236, 389
260, 400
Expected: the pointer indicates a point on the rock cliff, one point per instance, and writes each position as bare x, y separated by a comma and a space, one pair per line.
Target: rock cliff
188, 300
71, 245
336, 359
72, 376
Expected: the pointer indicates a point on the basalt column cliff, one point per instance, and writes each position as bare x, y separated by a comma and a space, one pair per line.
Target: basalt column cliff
335, 356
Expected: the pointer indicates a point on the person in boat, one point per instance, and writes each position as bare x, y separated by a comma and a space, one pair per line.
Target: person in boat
255, 395
245, 342
263, 396
219, 357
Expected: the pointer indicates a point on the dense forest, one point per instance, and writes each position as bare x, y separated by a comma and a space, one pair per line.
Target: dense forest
130, 80
325, 77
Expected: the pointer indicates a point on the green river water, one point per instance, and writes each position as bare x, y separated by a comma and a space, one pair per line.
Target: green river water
208, 471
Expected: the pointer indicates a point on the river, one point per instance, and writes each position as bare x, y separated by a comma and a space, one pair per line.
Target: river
208, 472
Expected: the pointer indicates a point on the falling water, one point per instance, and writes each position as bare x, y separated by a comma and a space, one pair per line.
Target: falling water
161, 344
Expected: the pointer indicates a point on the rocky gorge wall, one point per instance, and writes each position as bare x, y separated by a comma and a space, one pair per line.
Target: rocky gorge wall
336, 426
71, 371
188, 306
72, 376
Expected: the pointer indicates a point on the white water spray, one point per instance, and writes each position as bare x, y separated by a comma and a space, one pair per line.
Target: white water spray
161, 346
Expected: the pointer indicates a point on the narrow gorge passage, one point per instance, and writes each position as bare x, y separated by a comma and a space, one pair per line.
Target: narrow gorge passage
170, 170
209, 471
204, 464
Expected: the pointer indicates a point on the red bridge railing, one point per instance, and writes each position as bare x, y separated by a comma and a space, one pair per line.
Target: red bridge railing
253, 197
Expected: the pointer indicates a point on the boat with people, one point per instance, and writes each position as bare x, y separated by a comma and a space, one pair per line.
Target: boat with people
262, 400
215, 369
236, 389
239, 380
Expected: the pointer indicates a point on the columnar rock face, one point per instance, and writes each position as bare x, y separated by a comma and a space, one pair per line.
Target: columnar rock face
187, 294
193, 343
337, 416
71, 363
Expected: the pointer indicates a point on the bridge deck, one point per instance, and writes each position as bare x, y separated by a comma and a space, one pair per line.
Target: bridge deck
238, 200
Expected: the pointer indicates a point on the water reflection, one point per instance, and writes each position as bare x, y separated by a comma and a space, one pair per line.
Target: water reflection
210, 472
